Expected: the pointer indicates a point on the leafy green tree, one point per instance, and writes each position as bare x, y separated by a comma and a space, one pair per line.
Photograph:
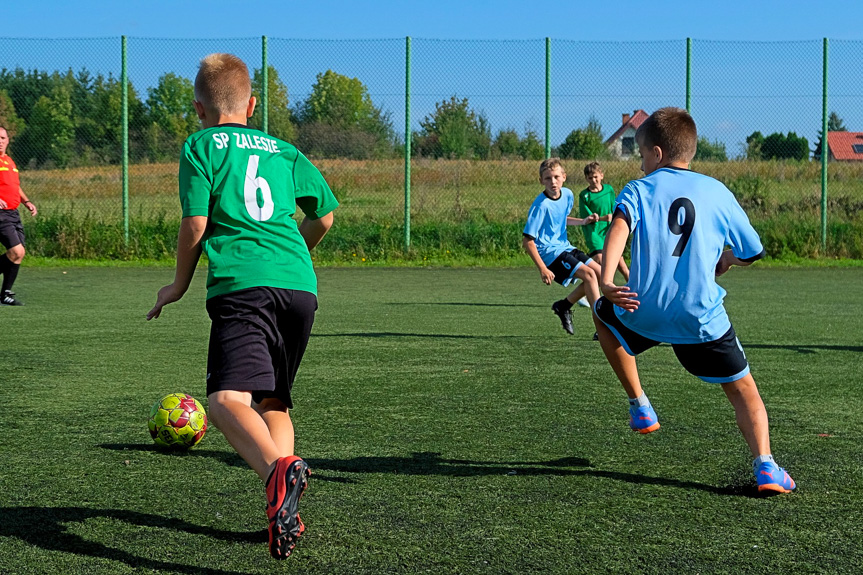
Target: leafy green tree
507, 143
454, 130
50, 135
531, 147
781, 147
710, 151
754, 142
171, 116
280, 120
8, 117
338, 104
834, 124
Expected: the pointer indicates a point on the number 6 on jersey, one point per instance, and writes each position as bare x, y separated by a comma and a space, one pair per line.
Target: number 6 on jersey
250, 192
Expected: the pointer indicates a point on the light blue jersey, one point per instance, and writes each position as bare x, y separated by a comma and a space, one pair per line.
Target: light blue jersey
681, 222
546, 224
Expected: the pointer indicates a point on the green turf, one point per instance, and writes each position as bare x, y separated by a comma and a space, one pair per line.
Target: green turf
451, 425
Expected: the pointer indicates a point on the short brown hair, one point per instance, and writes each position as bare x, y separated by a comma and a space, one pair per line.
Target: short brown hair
673, 131
550, 164
223, 84
591, 169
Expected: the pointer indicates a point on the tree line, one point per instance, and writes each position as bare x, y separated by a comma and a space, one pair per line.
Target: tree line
74, 119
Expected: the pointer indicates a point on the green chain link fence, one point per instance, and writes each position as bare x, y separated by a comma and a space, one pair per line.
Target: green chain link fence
478, 116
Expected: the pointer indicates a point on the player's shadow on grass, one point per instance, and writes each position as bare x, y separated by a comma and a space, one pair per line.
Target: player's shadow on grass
468, 304
47, 528
429, 463
226, 457
229, 458
803, 348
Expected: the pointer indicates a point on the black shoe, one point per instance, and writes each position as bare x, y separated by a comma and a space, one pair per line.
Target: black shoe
565, 317
8, 299
595, 336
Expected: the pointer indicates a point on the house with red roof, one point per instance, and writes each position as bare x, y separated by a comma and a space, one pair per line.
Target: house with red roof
621, 144
845, 146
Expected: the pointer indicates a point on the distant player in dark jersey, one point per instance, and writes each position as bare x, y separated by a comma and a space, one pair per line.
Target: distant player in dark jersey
239, 190
11, 230
681, 222
597, 198
546, 242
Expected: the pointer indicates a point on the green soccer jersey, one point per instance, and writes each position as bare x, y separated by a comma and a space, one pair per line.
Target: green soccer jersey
602, 203
249, 185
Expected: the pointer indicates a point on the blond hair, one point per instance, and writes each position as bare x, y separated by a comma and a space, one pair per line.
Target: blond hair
550, 164
673, 131
222, 84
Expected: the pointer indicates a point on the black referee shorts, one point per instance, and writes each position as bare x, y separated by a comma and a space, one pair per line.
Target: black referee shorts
11, 229
257, 340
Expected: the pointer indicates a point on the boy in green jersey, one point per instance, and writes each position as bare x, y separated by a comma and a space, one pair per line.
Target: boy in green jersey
239, 190
597, 198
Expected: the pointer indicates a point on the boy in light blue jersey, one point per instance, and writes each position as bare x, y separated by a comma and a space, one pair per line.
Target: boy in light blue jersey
546, 242
681, 222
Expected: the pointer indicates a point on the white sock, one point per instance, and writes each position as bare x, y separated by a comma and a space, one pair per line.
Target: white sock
762, 459
640, 401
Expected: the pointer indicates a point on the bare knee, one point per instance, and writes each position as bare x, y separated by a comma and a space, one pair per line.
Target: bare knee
16, 254
587, 274
271, 404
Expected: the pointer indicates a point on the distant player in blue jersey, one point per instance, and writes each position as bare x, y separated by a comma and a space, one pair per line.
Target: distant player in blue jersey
681, 222
546, 242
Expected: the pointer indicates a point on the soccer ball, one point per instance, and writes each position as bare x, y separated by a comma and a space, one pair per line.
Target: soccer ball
177, 421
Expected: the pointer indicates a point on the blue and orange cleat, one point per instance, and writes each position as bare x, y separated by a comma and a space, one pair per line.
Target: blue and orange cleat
643, 419
773, 479
284, 489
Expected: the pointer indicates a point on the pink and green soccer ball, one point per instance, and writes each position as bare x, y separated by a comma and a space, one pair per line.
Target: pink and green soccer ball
177, 421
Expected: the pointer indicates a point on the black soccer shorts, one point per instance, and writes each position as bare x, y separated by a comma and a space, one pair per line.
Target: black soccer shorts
719, 361
257, 340
566, 264
11, 229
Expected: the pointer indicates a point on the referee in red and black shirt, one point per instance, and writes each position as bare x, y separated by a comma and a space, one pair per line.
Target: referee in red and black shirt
11, 230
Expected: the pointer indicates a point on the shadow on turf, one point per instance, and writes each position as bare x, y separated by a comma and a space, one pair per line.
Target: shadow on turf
227, 457
806, 348
470, 304
429, 463
46, 528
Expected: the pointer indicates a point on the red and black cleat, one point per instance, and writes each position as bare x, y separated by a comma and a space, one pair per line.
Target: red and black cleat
285, 487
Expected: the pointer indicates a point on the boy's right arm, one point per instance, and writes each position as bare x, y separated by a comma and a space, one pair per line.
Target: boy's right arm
188, 252
545, 274
615, 243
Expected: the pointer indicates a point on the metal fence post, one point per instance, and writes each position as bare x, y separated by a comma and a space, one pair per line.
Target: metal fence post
547, 97
407, 143
824, 155
265, 88
124, 80
689, 75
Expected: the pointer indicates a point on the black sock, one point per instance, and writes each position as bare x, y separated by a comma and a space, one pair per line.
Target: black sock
4, 263
564, 305
9, 274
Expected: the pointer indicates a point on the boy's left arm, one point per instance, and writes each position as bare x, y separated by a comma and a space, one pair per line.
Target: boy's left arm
314, 230
192, 230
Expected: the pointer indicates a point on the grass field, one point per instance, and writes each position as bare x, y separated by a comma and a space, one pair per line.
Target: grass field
475, 208
451, 425
498, 190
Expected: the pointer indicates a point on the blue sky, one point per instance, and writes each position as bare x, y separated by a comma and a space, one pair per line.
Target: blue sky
444, 19
756, 65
